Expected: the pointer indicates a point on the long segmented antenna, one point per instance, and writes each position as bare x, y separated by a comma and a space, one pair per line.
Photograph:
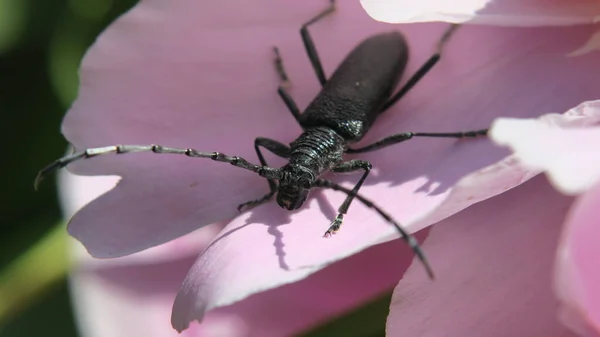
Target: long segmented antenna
119, 149
407, 237
263, 171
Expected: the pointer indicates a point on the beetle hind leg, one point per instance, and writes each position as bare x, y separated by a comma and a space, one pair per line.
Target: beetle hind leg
309, 44
423, 70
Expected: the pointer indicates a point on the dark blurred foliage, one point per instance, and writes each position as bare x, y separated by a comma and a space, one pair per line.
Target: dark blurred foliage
41, 45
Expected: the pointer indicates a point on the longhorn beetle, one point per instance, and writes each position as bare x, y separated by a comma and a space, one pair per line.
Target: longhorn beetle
359, 90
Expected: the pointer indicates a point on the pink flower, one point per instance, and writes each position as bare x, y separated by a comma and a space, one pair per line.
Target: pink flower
565, 149
190, 75
502, 271
562, 146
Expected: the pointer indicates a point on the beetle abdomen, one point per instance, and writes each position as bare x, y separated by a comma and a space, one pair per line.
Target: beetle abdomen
353, 96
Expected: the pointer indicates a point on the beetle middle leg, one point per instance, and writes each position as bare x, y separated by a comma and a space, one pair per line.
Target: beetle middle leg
280, 150
283, 76
400, 137
284, 83
349, 166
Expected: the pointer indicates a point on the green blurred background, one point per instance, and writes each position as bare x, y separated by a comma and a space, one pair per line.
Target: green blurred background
41, 45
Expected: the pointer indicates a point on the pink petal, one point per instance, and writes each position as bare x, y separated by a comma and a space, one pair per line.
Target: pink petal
577, 273
135, 300
418, 189
131, 300
565, 146
119, 297
493, 12
77, 191
73, 197
493, 264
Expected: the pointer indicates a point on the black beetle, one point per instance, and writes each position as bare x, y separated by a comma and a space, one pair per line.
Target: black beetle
360, 89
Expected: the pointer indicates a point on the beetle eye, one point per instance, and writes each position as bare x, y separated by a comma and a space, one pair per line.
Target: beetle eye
306, 184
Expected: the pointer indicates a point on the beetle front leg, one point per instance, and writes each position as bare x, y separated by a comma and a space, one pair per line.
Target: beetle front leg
279, 150
349, 166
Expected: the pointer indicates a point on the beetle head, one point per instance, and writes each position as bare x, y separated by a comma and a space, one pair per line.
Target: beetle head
294, 185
